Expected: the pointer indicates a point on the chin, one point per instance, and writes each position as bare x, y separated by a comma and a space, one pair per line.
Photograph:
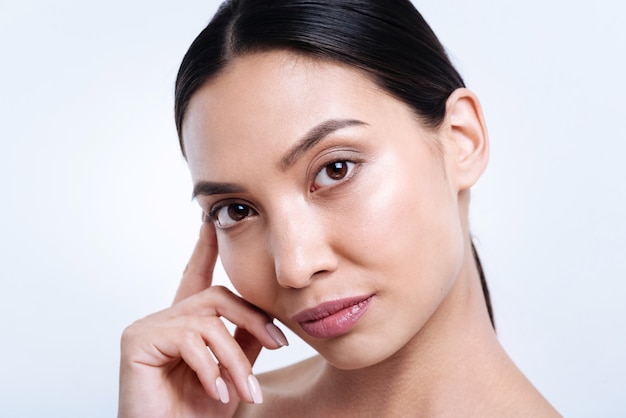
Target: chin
351, 364
352, 353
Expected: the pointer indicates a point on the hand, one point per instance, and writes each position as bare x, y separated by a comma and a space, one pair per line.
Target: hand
166, 367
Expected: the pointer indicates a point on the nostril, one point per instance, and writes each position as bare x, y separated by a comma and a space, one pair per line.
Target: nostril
320, 274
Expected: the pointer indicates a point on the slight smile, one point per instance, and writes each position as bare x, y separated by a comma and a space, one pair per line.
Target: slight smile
333, 318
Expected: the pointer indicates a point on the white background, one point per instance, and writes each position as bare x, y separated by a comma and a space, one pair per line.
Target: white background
96, 221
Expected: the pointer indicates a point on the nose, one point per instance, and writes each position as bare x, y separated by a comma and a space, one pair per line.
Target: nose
301, 249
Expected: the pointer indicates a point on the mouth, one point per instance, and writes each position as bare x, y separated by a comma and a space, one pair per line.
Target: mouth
333, 318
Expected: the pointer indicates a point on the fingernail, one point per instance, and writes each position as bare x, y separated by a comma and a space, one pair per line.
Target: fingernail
222, 390
255, 389
276, 334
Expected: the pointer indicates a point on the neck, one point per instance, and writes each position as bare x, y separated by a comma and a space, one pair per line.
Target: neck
453, 360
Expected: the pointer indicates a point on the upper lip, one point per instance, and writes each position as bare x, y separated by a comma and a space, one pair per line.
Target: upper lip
325, 309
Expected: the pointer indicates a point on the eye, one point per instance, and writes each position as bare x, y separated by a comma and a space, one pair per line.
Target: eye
228, 215
333, 173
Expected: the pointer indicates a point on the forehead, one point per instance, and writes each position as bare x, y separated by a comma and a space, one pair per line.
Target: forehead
262, 103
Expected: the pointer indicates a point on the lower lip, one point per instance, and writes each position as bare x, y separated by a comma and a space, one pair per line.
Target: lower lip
338, 323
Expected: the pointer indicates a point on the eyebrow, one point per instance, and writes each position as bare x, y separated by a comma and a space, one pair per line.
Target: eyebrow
313, 136
308, 141
208, 188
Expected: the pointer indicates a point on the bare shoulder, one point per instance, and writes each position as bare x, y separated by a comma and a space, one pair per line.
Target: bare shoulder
516, 396
284, 389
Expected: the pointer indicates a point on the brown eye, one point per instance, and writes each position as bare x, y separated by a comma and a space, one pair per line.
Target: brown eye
229, 215
337, 170
238, 212
333, 173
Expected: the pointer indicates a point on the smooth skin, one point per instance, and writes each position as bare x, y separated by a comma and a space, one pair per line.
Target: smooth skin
320, 186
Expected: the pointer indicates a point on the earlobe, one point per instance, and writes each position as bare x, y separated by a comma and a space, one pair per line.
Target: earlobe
468, 152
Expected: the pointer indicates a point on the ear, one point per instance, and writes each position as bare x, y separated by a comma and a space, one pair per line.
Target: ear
467, 147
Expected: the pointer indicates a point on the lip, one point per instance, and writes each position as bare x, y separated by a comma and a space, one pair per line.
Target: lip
333, 318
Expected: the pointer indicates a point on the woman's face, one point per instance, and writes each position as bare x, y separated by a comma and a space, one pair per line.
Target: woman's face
331, 201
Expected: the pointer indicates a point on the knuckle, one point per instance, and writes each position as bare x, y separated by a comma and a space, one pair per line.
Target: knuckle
130, 332
220, 290
188, 337
218, 295
213, 324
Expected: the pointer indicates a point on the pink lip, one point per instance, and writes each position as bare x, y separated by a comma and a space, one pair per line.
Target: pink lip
334, 318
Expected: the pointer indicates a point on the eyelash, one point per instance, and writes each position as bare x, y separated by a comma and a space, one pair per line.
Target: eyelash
351, 166
214, 211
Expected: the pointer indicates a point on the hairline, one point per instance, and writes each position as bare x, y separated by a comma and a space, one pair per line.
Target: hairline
233, 54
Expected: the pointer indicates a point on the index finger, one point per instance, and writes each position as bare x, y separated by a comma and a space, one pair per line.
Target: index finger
198, 274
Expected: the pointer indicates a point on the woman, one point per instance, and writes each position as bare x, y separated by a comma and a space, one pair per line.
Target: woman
332, 147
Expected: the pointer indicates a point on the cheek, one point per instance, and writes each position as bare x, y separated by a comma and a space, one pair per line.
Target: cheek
248, 270
408, 225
